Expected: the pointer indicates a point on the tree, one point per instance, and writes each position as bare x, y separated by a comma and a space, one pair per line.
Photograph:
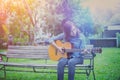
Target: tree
81, 17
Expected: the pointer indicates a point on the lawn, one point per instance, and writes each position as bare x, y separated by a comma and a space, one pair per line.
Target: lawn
107, 67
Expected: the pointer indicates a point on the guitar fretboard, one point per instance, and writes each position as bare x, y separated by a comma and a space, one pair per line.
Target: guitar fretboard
95, 50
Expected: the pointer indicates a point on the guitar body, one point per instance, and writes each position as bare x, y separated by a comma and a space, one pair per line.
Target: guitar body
55, 54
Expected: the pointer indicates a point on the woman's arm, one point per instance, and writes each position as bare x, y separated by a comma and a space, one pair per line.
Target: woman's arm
58, 37
52, 41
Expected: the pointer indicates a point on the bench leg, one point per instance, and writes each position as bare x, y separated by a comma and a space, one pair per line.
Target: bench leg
1, 68
0, 58
93, 74
4, 72
88, 74
34, 69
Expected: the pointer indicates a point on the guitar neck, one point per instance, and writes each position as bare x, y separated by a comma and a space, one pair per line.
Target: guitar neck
95, 50
73, 50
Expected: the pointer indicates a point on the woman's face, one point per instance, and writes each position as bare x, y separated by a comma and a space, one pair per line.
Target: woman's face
72, 28
73, 31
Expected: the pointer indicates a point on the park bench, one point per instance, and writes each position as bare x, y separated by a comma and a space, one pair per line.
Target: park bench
36, 54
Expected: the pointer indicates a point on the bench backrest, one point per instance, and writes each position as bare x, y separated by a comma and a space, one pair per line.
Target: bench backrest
34, 52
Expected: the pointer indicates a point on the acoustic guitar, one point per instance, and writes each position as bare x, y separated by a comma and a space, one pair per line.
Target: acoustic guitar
55, 55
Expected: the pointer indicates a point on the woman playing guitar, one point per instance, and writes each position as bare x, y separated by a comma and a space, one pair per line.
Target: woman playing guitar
72, 35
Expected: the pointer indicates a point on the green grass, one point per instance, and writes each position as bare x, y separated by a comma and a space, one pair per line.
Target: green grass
107, 67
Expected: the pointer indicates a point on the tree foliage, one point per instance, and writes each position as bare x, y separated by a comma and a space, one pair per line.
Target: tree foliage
34, 19
80, 16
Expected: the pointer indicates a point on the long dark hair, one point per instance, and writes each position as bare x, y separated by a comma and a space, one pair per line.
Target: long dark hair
67, 28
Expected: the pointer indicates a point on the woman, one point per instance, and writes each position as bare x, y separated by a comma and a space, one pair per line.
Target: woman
76, 38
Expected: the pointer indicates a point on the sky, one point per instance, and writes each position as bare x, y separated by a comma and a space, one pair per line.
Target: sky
101, 5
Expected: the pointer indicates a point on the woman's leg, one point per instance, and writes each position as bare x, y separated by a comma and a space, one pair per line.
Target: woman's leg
60, 68
71, 67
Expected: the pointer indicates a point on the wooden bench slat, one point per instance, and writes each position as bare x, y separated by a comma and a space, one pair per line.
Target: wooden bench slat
27, 47
25, 65
37, 54
37, 65
27, 56
28, 51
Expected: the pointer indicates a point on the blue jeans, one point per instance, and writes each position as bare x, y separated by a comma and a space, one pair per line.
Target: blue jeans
71, 67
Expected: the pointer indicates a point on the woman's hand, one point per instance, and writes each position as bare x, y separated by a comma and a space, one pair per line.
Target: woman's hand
60, 49
85, 51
